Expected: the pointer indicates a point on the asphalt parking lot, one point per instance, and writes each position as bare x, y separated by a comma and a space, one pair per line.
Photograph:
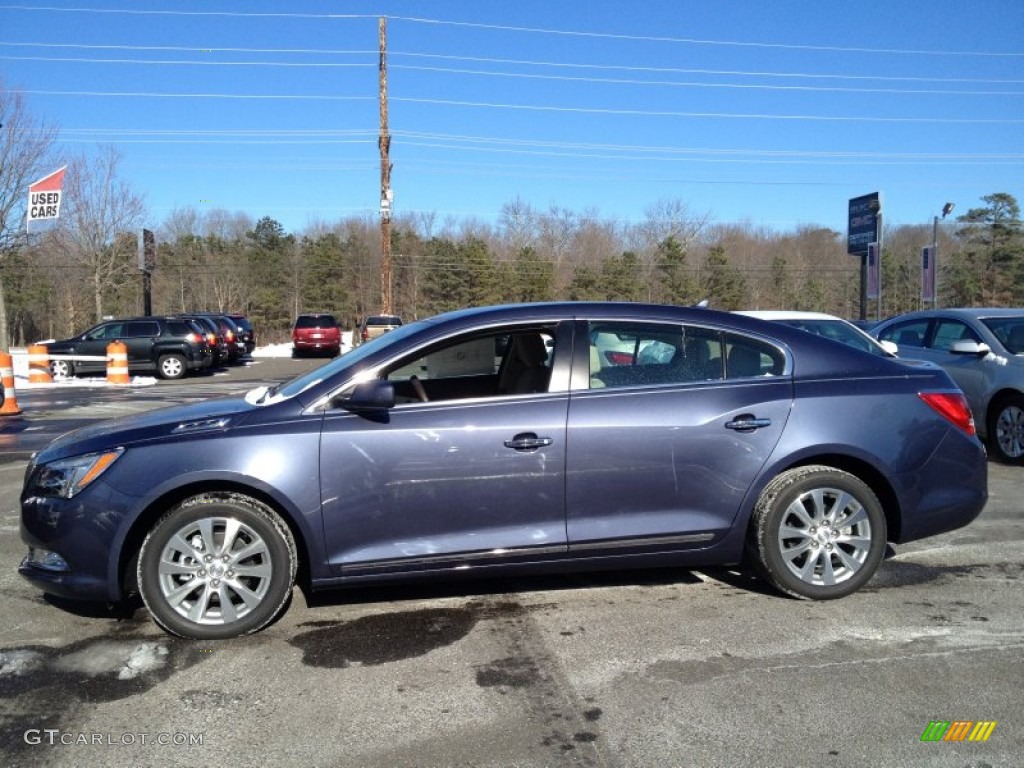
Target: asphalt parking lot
662, 667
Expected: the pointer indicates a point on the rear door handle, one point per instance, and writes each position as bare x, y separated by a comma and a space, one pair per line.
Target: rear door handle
527, 441
747, 423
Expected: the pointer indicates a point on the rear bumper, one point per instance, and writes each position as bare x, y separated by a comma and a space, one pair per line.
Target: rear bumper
950, 489
317, 345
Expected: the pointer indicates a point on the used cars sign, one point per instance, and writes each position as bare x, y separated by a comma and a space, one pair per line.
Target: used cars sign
44, 197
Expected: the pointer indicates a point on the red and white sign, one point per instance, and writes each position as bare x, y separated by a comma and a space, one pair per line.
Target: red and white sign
44, 197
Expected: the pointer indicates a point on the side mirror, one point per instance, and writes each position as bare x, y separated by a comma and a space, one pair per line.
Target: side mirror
890, 346
371, 395
969, 348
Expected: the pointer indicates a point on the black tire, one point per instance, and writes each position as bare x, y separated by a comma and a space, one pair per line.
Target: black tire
1006, 429
62, 369
190, 545
171, 366
797, 538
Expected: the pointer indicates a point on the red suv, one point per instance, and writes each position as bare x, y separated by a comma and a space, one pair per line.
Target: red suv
316, 333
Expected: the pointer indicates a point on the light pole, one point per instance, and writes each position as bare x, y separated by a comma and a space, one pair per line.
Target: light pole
946, 210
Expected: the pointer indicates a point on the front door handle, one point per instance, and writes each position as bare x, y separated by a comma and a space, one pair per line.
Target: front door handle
527, 441
747, 423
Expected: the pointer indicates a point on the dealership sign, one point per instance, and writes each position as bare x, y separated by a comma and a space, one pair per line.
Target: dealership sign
863, 224
44, 197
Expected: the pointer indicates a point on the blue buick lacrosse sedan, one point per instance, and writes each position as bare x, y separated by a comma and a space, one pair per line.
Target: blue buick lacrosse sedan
529, 438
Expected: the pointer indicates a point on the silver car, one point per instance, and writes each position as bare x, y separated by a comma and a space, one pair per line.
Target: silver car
983, 350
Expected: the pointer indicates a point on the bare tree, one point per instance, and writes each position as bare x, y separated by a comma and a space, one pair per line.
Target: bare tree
519, 223
100, 206
25, 147
669, 218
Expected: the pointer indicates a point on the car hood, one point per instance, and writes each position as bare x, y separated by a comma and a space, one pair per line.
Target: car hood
178, 422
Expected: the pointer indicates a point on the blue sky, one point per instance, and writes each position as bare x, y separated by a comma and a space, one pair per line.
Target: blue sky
773, 114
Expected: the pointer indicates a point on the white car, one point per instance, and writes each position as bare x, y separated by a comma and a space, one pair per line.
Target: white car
829, 326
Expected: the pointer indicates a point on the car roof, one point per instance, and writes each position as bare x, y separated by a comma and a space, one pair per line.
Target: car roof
974, 313
786, 314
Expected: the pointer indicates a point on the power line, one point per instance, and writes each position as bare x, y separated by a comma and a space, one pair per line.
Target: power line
155, 12
531, 63
539, 108
522, 29
699, 41
698, 71
716, 115
154, 95
165, 63
691, 84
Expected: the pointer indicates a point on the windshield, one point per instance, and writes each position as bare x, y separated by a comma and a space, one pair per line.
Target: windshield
1009, 331
348, 360
841, 331
316, 321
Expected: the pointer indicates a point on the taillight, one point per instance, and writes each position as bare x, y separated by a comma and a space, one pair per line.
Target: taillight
230, 336
953, 407
619, 358
211, 339
194, 338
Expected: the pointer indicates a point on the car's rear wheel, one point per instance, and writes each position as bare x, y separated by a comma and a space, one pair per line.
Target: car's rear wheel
171, 366
1006, 429
61, 369
217, 566
817, 532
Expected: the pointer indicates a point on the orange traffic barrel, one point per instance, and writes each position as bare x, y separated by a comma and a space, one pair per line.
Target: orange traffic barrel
9, 403
117, 363
39, 365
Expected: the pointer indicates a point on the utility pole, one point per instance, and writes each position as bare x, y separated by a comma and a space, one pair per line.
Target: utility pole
384, 142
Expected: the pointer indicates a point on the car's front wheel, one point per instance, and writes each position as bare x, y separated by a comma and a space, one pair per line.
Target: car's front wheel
171, 366
217, 566
1006, 429
817, 532
61, 369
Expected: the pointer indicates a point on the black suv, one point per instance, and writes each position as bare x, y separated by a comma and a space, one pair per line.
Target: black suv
169, 346
247, 331
217, 334
230, 331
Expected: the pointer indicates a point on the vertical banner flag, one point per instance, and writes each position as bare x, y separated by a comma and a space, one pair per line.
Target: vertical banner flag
44, 197
928, 273
874, 270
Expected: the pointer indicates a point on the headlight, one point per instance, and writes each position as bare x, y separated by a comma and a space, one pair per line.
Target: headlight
66, 477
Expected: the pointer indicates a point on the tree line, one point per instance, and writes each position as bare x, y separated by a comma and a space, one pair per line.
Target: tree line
59, 281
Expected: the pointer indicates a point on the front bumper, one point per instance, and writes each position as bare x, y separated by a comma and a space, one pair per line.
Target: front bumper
86, 532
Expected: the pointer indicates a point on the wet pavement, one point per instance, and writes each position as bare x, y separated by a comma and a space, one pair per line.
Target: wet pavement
642, 668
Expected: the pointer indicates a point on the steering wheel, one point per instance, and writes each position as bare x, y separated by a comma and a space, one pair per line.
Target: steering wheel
417, 386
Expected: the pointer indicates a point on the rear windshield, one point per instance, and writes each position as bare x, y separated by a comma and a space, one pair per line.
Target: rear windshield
384, 320
316, 321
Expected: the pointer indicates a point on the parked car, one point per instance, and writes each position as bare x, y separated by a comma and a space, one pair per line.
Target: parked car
983, 350
246, 331
423, 455
231, 332
317, 333
377, 325
829, 326
168, 346
216, 336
